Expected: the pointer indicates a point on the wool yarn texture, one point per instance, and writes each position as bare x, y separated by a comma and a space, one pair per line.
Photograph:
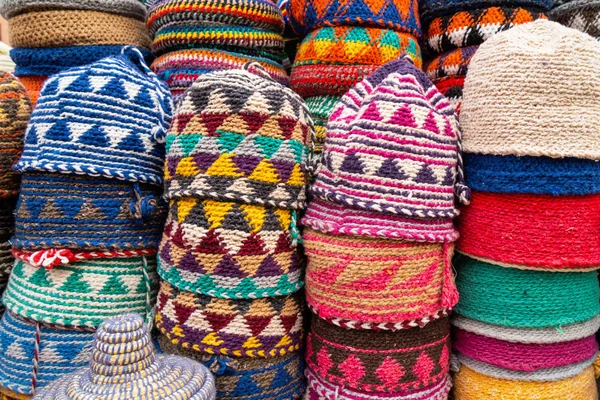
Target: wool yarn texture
451, 87
454, 63
309, 15
541, 232
6, 260
320, 108
377, 283
109, 118
240, 136
431, 9
129, 8
386, 361
83, 294
124, 365
581, 15
511, 297
319, 389
7, 223
33, 86
15, 110
505, 62
60, 352
279, 378
471, 385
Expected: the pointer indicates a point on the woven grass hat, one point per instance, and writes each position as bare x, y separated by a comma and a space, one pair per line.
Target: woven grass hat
129, 8
124, 365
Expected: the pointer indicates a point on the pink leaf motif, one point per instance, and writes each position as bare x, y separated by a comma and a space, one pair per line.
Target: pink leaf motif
324, 362
390, 372
423, 367
353, 369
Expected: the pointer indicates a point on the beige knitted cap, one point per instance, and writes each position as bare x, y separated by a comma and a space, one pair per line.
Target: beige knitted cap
534, 90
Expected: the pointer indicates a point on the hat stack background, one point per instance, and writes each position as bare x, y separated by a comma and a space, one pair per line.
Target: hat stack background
454, 29
583, 15
49, 36
229, 260
527, 274
343, 43
379, 239
191, 38
88, 219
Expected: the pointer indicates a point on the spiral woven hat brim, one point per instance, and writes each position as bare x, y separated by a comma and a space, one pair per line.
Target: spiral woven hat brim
129, 8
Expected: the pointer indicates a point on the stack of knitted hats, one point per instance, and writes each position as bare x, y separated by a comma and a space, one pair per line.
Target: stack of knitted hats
194, 37
583, 15
454, 29
530, 240
49, 36
379, 240
88, 219
344, 42
231, 271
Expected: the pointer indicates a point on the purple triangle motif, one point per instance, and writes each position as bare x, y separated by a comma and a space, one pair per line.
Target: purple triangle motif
426, 175
269, 268
390, 170
246, 164
228, 267
189, 263
352, 164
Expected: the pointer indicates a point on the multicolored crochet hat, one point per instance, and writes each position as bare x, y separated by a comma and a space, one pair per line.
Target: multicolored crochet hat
240, 136
309, 15
15, 110
515, 298
124, 365
431, 9
364, 283
373, 362
454, 63
59, 352
279, 378
368, 169
129, 8
319, 389
579, 14
109, 118
259, 328
321, 108
84, 294
542, 232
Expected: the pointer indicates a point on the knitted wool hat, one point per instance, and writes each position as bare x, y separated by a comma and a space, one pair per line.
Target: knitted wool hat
309, 15
84, 294
321, 108
279, 378
239, 135
454, 63
229, 250
57, 211
122, 115
15, 109
389, 362
33, 86
261, 328
392, 173
503, 70
579, 14
471, 385
129, 8
431, 9
180, 69
366, 283
319, 389
59, 352
532, 231
517, 298
452, 88
473, 27
124, 365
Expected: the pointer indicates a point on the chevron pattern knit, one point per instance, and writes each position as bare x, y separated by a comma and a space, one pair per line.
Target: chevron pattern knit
60, 352
388, 362
454, 63
583, 15
431, 9
261, 328
129, 8
519, 298
278, 378
73, 211
229, 250
84, 294
123, 113
309, 15
239, 136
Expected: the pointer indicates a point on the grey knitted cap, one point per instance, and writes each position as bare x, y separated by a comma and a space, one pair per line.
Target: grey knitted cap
129, 8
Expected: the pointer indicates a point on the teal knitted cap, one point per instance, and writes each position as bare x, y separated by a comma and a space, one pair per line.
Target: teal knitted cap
524, 298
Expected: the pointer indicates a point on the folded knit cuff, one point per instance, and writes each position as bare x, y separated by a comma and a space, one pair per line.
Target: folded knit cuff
454, 63
128, 8
541, 232
579, 14
431, 9
260, 328
60, 28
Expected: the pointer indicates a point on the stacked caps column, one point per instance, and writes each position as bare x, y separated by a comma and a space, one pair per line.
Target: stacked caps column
191, 38
379, 239
88, 219
454, 29
229, 260
530, 240
49, 36
344, 42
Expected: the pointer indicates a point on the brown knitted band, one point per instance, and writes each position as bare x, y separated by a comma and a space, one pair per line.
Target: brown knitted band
61, 28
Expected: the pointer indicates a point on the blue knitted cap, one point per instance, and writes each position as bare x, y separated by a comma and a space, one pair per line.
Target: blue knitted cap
108, 118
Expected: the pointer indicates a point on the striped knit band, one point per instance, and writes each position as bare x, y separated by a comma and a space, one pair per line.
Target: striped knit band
60, 28
260, 328
431, 9
454, 63
532, 231
579, 14
328, 80
519, 298
128, 8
